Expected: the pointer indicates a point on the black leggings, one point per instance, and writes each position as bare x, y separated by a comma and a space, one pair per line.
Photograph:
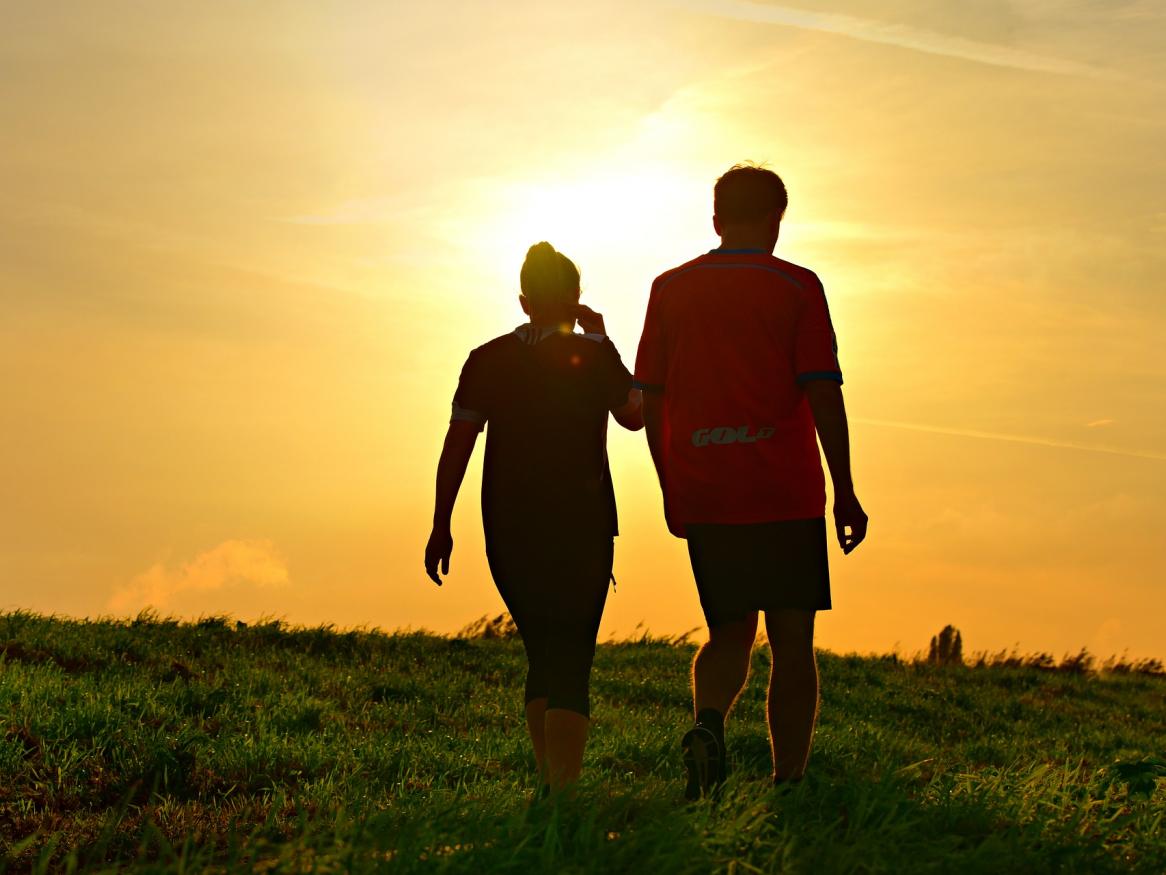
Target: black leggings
555, 593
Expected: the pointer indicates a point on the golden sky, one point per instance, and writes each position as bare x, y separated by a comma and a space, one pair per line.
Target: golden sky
245, 249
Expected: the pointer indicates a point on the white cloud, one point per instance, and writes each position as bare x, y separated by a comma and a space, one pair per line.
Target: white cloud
357, 211
1011, 438
899, 35
231, 563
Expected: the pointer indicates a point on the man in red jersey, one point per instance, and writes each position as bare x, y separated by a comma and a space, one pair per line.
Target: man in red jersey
738, 365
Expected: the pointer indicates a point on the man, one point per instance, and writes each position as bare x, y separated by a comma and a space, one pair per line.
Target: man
738, 366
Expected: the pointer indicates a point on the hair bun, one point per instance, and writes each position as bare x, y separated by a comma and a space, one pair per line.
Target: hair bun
548, 275
542, 249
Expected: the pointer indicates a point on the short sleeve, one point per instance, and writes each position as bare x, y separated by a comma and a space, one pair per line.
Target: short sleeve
815, 346
651, 360
617, 379
471, 401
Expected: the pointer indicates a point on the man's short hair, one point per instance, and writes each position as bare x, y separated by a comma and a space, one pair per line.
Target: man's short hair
748, 193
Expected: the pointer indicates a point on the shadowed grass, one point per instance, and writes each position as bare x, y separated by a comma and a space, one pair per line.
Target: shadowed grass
156, 745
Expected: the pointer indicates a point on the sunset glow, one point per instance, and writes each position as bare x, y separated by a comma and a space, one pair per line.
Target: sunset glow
245, 250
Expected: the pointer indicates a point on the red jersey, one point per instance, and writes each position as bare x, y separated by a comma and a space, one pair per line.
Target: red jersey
729, 339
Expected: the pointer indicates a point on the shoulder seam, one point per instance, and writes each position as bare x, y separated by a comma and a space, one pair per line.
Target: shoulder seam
661, 282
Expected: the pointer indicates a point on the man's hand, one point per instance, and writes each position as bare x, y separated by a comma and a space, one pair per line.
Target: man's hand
437, 551
590, 321
848, 514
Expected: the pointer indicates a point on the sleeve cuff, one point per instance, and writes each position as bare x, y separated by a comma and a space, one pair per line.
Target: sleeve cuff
656, 388
463, 414
834, 376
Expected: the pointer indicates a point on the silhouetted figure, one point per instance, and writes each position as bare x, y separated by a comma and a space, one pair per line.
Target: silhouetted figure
738, 364
548, 506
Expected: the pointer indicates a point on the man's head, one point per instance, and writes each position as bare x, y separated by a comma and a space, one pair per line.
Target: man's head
550, 285
748, 203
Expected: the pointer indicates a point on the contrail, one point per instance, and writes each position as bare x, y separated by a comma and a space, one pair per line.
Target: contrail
1011, 438
899, 35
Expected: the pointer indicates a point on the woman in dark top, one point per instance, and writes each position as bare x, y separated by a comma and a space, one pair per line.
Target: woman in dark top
548, 507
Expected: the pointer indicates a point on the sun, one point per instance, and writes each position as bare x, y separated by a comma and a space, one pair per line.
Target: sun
591, 215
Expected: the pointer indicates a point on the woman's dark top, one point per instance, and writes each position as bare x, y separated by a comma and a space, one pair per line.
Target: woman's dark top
546, 394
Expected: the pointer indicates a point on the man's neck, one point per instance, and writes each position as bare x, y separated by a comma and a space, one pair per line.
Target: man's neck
747, 241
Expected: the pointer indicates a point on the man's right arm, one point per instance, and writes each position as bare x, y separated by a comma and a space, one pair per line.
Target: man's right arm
654, 429
825, 397
451, 470
653, 407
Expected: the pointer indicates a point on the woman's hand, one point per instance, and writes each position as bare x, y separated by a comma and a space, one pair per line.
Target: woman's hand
590, 321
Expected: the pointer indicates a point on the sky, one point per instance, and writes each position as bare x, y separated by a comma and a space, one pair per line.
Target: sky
246, 248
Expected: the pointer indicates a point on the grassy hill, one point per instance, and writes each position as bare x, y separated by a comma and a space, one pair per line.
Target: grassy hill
168, 746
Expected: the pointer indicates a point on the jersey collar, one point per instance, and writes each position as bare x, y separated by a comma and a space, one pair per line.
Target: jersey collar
531, 334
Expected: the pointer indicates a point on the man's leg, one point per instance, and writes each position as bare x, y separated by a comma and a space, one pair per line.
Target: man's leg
721, 666
793, 691
719, 672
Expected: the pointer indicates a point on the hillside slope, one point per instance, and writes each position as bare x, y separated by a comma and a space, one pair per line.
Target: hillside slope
265, 748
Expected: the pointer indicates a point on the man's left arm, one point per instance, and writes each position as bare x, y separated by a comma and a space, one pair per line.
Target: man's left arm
826, 404
820, 376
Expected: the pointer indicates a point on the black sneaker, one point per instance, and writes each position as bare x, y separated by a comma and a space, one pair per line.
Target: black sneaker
703, 760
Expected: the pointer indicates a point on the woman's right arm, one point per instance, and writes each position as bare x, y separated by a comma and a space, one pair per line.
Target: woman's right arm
631, 415
451, 469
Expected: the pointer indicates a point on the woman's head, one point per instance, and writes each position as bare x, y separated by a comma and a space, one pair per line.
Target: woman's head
550, 284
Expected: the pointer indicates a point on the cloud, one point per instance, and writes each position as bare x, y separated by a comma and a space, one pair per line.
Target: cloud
231, 563
1099, 423
1012, 438
357, 211
899, 35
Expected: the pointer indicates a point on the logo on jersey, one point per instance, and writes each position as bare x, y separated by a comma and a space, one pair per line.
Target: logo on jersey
724, 434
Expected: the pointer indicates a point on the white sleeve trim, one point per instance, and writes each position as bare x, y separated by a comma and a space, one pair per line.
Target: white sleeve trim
464, 414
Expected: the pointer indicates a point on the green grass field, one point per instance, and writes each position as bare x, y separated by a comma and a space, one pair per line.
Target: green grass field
155, 745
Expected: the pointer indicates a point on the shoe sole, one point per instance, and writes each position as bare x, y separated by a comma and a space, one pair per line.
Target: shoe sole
702, 758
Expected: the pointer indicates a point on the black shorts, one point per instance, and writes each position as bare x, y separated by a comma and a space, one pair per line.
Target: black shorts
740, 569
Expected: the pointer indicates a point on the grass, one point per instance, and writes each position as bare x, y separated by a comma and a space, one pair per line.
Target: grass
155, 745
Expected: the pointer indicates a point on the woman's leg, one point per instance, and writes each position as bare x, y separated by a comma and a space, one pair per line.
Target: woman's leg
534, 641
536, 715
511, 578
574, 626
566, 738
568, 713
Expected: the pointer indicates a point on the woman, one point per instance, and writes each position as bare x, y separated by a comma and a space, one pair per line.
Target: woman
548, 507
